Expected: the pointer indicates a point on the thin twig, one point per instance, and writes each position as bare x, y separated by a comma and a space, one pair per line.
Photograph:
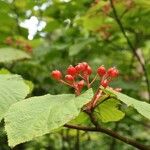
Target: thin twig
116, 17
94, 79
110, 133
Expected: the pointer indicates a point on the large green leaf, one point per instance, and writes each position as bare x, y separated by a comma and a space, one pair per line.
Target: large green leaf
109, 111
10, 54
12, 89
142, 107
37, 116
81, 119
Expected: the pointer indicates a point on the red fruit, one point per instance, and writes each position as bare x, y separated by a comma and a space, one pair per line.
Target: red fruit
79, 68
80, 84
85, 65
101, 71
104, 83
110, 69
113, 72
69, 78
89, 70
71, 70
56, 74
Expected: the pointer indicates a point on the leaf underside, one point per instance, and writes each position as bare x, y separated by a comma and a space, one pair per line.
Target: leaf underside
108, 111
142, 107
8, 54
12, 89
37, 116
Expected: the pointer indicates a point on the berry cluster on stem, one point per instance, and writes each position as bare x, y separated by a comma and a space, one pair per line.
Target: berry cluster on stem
78, 77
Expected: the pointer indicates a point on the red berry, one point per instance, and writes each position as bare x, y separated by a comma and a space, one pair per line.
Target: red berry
101, 70
89, 70
80, 84
85, 65
56, 74
104, 83
113, 72
71, 70
110, 70
69, 78
79, 67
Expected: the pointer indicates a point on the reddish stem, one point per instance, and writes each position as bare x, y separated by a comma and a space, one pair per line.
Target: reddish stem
62, 81
93, 80
87, 82
98, 95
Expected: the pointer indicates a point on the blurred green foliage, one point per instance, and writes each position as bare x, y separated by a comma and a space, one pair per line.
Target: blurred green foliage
77, 31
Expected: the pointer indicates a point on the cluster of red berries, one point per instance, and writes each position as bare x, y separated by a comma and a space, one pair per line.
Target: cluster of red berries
78, 76
107, 75
17, 43
82, 70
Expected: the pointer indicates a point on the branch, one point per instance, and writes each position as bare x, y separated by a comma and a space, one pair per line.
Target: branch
116, 17
110, 133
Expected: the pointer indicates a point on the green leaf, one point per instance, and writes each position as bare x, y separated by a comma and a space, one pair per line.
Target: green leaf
12, 89
11, 54
109, 111
4, 71
37, 116
81, 119
142, 107
78, 46
27, 82
95, 18
51, 25
30, 84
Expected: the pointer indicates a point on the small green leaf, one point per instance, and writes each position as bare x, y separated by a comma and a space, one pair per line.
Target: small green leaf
8, 54
12, 89
37, 116
142, 107
109, 111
